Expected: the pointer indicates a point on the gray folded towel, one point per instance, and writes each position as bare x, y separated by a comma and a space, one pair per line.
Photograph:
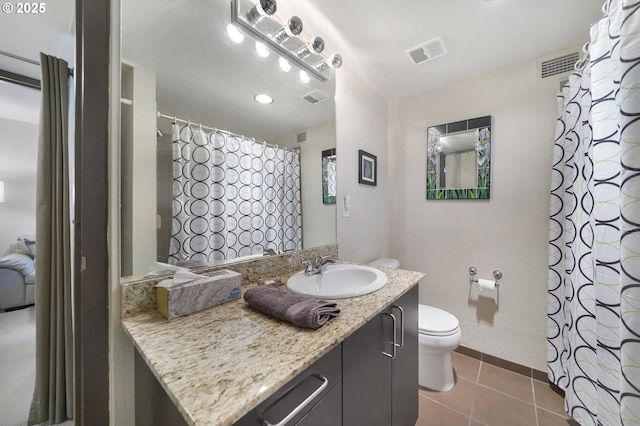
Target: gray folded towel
299, 310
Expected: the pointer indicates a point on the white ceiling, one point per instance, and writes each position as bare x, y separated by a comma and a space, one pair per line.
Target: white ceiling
479, 35
372, 35
27, 35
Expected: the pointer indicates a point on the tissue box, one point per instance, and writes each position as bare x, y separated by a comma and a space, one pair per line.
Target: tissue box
210, 290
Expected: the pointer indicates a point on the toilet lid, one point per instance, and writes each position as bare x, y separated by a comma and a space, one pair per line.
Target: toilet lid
435, 321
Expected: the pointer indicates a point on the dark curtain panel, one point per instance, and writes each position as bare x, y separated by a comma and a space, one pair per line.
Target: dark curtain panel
53, 393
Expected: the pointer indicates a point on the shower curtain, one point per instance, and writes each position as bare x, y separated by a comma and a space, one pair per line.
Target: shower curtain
232, 196
594, 252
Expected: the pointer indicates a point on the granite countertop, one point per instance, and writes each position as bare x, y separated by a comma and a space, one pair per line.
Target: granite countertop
218, 364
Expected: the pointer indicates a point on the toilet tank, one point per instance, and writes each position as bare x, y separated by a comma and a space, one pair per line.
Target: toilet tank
386, 263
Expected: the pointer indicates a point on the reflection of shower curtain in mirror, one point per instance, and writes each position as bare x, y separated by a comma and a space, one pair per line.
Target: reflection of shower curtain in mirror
232, 197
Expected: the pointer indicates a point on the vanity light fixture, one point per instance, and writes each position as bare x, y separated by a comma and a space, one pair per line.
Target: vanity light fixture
261, 9
263, 99
334, 61
292, 29
304, 53
316, 45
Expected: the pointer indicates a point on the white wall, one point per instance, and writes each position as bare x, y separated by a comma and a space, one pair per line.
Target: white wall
361, 123
318, 219
508, 232
18, 163
139, 146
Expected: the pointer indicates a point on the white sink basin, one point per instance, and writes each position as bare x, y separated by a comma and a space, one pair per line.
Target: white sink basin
338, 282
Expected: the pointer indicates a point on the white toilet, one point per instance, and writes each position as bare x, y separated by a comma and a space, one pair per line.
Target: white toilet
438, 335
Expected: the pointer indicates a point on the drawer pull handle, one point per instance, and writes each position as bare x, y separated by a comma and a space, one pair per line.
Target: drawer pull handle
302, 405
394, 345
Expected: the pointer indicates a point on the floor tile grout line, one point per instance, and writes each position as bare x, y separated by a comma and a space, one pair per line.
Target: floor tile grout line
553, 412
473, 402
446, 406
506, 394
477, 383
535, 401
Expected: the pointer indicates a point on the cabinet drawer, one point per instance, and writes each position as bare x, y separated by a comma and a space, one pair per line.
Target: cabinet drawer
327, 412
319, 379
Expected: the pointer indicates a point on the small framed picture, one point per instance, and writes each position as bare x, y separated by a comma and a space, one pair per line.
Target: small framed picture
367, 168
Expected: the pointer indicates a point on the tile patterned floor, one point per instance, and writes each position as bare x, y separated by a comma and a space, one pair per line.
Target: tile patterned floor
486, 395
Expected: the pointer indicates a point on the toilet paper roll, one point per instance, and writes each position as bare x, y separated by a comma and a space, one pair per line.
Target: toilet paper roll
486, 284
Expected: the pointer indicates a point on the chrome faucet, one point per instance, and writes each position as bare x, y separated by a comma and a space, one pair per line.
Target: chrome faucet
317, 265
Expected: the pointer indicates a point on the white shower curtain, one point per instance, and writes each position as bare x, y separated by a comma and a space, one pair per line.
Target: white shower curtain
594, 256
232, 197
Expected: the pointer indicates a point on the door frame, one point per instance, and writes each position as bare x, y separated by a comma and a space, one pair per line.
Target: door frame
91, 256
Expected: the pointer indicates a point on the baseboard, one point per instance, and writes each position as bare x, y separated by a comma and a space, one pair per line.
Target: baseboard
507, 365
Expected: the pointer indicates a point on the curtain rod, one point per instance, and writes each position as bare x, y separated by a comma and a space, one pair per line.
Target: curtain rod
215, 130
20, 58
19, 79
23, 59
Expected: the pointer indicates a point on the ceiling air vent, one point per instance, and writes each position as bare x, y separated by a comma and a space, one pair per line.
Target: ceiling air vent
315, 97
559, 65
427, 51
301, 137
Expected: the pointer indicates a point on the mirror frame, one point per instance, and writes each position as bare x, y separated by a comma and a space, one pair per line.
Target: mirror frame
329, 180
483, 149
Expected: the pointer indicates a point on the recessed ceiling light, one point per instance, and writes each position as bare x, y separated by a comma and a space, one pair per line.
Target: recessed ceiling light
263, 99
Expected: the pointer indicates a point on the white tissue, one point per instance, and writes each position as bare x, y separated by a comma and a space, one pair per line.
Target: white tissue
182, 276
157, 269
185, 276
486, 284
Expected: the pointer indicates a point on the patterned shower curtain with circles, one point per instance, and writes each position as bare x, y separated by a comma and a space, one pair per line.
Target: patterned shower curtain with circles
594, 256
232, 197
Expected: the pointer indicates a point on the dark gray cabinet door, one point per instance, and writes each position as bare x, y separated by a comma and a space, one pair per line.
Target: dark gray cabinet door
366, 374
405, 366
379, 389
153, 406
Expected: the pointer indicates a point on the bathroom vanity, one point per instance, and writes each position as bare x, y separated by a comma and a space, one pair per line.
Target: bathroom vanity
233, 365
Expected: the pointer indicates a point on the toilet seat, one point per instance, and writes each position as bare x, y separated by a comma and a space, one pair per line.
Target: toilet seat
436, 322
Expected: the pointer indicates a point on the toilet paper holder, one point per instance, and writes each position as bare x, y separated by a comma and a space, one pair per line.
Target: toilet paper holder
473, 271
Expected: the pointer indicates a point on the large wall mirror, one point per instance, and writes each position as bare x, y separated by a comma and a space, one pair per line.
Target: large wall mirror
459, 160
188, 90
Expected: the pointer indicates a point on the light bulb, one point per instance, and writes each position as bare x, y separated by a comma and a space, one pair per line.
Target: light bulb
234, 34
316, 45
284, 64
260, 10
262, 50
334, 61
304, 77
293, 28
